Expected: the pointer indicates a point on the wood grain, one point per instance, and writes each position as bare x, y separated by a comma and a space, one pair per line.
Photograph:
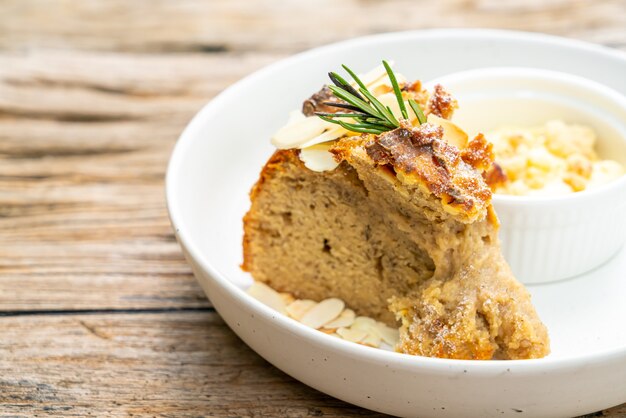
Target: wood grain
82, 161
278, 25
99, 313
179, 364
174, 364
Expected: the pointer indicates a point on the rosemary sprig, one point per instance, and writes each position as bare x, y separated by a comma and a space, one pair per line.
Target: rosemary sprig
367, 113
418, 111
396, 89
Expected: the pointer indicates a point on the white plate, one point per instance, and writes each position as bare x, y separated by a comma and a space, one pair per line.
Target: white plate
218, 158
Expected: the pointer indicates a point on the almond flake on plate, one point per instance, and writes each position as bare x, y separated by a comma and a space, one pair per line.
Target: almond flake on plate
364, 323
388, 334
373, 340
351, 334
287, 298
323, 312
268, 296
298, 308
330, 316
344, 320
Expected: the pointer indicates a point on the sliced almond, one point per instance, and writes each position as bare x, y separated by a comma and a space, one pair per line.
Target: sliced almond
370, 78
318, 157
328, 316
294, 134
372, 340
298, 308
330, 135
353, 335
268, 296
287, 298
389, 335
323, 312
345, 319
369, 326
295, 116
452, 133
363, 323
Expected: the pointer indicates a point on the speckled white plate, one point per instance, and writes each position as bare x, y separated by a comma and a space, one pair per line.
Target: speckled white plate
218, 158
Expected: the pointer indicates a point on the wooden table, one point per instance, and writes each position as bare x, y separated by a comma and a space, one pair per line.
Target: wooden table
100, 314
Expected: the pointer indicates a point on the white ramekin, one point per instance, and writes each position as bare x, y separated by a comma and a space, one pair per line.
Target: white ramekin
546, 239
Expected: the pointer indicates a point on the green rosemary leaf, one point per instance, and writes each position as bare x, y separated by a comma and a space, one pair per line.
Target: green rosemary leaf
369, 128
354, 76
393, 116
342, 106
396, 89
370, 115
340, 82
384, 111
355, 101
365, 125
382, 128
328, 119
389, 125
363, 128
335, 121
418, 111
343, 115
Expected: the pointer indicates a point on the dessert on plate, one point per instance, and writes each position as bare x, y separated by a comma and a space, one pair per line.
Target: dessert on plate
375, 198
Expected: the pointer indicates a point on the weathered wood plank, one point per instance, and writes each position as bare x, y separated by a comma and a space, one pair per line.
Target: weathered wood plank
84, 86
138, 74
165, 364
84, 144
273, 25
173, 364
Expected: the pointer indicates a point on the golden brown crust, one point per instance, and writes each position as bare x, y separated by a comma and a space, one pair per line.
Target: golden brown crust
479, 153
472, 316
495, 176
442, 103
421, 156
413, 86
275, 163
414, 90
